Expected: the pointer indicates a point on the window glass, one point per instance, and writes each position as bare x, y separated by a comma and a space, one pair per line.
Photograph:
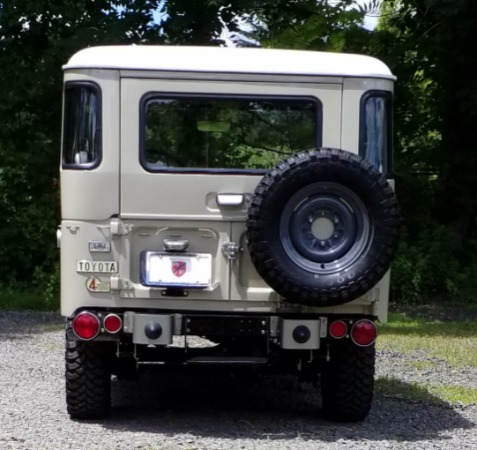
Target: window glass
226, 133
82, 130
375, 133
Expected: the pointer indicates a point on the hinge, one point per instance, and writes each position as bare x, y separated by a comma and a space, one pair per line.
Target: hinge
119, 284
230, 250
119, 228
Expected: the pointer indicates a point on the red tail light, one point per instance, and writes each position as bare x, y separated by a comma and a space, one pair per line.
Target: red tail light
86, 326
364, 333
112, 323
338, 329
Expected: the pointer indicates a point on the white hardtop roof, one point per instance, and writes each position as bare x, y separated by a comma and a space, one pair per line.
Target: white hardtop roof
228, 60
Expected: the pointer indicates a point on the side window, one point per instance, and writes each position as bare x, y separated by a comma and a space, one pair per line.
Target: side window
193, 133
82, 126
375, 141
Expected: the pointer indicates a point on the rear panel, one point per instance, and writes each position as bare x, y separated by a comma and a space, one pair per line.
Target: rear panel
207, 208
137, 210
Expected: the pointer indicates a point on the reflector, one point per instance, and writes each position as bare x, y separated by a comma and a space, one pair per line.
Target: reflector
338, 329
112, 323
86, 326
364, 333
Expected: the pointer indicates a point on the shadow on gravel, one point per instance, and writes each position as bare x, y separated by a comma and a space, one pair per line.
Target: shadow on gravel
273, 407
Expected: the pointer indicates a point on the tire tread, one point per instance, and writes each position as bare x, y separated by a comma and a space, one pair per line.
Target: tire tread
88, 380
272, 186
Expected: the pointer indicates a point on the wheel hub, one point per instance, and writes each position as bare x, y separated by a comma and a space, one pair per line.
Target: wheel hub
323, 228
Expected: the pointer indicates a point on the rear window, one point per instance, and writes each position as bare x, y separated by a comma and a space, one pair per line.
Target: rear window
82, 126
375, 143
191, 133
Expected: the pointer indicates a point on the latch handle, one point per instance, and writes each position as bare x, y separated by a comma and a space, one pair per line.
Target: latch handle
230, 199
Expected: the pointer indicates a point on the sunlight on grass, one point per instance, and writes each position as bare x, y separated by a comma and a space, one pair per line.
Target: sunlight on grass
421, 365
456, 394
453, 342
52, 327
452, 394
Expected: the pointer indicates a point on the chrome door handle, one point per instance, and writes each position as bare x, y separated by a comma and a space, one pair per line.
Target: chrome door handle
230, 199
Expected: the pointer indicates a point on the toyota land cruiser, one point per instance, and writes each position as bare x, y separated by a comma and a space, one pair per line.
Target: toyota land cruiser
241, 195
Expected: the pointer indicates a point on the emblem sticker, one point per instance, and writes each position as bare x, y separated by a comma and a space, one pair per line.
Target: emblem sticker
179, 268
85, 266
94, 284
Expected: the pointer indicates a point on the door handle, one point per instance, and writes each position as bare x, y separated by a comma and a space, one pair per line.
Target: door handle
230, 199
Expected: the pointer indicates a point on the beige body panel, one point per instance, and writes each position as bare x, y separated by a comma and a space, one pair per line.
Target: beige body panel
94, 194
136, 210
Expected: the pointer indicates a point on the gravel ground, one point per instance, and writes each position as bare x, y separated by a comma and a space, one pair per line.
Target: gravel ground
190, 412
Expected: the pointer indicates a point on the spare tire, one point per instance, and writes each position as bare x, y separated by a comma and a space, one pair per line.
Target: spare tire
322, 227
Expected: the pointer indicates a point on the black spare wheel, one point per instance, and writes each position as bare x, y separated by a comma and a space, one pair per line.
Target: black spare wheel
322, 227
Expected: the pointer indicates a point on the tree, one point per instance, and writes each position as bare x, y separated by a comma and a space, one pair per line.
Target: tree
423, 41
36, 38
307, 24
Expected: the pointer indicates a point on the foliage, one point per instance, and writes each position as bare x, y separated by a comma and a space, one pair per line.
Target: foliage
435, 160
304, 24
426, 269
36, 38
26, 297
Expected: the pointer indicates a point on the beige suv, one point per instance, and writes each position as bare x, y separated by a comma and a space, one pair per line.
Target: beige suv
239, 195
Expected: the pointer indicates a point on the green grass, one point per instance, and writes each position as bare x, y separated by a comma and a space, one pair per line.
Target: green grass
437, 395
24, 299
456, 394
422, 365
392, 387
52, 327
450, 343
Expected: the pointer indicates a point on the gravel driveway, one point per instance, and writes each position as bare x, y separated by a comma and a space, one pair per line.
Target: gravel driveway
188, 412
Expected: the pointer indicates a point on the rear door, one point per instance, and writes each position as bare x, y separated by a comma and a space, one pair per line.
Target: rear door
192, 152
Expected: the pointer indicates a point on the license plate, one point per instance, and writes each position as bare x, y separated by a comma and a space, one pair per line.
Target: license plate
176, 270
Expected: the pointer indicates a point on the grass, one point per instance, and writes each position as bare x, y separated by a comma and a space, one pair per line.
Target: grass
455, 394
450, 394
453, 342
26, 299
430, 344
422, 365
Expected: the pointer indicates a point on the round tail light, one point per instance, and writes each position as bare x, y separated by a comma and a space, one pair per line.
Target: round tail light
338, 329
364, 333
112, 323
86, 326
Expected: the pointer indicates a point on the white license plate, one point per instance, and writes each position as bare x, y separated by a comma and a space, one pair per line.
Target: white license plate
176, 270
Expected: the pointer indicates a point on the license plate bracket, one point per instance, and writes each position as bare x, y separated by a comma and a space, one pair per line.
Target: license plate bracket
176, 270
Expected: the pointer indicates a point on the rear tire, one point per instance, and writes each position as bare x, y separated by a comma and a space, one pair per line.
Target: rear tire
88, 379
347, 382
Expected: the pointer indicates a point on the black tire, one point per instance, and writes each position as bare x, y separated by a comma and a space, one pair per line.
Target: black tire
322, 227
88, 379
347, 382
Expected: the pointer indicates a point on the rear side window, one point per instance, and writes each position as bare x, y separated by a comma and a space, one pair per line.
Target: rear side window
82, 126
192, 133
376, 130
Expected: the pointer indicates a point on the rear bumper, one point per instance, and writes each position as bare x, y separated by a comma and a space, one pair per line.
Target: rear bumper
163, 328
